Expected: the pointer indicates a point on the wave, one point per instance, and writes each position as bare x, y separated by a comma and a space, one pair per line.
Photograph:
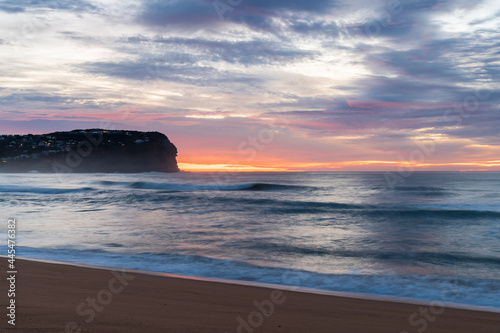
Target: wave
427, 257
418, 189
392, 212
185, 196
461, 290
318, 207
202, 187
42, 190
294, 206
433, 213
428, 191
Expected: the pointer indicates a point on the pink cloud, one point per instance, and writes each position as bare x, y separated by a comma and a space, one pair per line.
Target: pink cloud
374, 104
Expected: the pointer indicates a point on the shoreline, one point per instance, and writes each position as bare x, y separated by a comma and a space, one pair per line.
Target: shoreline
67, 297
353, 295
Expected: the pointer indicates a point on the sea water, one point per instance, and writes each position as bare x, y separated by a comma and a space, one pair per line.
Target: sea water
431, 236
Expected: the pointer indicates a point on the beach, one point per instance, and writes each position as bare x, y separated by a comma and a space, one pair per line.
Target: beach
340, 232
267, 252
54, 297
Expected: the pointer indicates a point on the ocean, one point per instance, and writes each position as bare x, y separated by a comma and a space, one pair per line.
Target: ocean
433, 236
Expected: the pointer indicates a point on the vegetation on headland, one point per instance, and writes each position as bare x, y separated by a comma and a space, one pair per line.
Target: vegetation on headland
91, 150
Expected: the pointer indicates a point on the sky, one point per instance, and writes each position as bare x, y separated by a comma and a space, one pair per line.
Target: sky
264, 85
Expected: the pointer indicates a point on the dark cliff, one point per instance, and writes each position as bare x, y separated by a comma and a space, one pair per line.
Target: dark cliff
92, 150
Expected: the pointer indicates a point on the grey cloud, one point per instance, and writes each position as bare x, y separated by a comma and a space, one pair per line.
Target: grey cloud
17, 6
401, 89
11, 9
246, 52
434, 70
254, 52
183, 13
38, 99
416, 109
191, 74
33, 96
399, 18
41, 126
384, 27
316, 28
202, 14
480, 21
422, 64
314, 6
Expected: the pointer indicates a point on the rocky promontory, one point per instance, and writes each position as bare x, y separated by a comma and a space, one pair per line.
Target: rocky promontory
91, 150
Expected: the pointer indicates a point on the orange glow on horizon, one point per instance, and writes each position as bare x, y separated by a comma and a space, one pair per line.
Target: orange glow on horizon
341, 166
193, 167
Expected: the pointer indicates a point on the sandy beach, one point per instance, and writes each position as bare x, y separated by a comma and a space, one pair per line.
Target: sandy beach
66, 298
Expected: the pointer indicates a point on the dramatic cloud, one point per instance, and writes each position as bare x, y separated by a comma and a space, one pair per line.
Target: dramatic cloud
18, 6
293, 84
11, 9
198, 14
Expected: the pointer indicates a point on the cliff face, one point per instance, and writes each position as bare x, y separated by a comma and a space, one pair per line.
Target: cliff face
93, 150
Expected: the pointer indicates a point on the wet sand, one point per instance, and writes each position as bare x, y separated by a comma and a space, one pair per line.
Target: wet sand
65, 298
